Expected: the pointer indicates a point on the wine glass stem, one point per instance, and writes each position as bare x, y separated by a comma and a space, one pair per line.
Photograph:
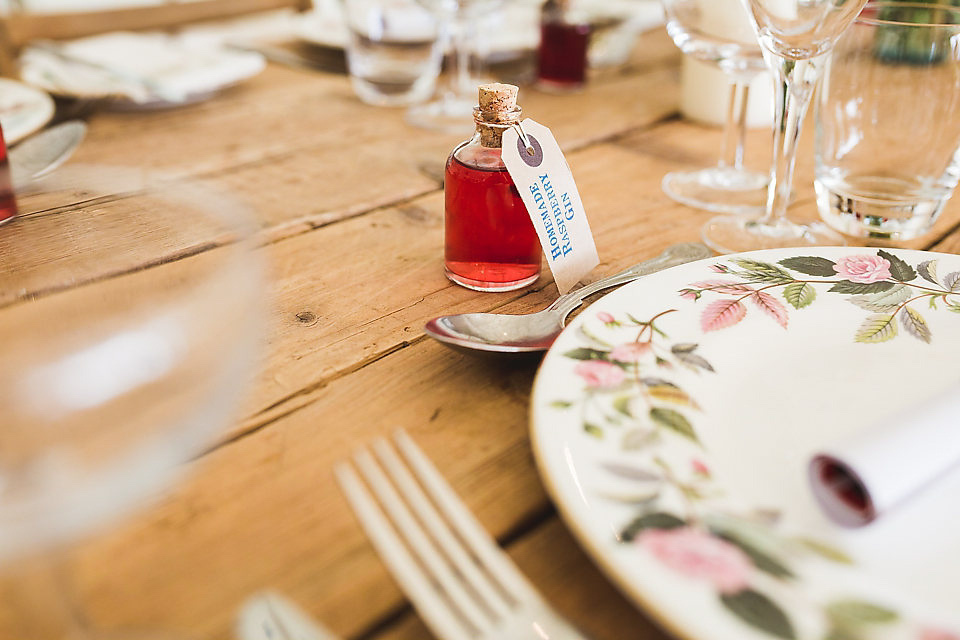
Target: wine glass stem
795, 81
459, 36
735, 129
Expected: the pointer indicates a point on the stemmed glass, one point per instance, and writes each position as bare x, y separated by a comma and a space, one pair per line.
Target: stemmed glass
719, 32
452, 111
130, 311
796, 37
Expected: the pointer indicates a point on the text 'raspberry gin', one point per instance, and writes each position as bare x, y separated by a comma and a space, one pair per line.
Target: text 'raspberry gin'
490, 242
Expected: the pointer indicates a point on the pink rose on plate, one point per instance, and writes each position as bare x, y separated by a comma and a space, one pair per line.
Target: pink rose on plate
863, 269
937, 634
630, 352
699, 555
599, 374
605, 317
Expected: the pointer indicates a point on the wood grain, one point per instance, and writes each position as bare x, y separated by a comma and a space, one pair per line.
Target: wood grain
349, 217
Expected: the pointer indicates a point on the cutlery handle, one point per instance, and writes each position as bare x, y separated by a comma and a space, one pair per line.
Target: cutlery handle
671, 257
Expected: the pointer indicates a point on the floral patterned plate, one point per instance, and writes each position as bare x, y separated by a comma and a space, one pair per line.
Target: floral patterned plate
23, 110
672, 422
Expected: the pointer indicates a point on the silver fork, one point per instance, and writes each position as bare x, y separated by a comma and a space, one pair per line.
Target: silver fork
462, 584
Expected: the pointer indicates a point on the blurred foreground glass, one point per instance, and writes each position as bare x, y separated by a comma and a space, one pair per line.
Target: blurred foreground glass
796, 37
131, 320
393, 51
718, 32
888, 122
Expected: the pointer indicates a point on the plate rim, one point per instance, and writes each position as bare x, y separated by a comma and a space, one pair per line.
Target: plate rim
635, 590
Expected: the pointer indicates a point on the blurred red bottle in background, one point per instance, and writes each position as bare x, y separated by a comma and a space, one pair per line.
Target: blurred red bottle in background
8, 204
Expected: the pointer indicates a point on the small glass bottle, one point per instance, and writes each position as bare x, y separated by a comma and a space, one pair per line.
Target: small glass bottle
8, 203
564, 39
490, 243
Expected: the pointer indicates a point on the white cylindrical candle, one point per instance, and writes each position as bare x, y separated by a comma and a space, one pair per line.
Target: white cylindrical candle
705, 95
726, 19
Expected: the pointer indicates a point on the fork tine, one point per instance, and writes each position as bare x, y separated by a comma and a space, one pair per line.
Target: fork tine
493, 599
441, 620
498, 564
418, 541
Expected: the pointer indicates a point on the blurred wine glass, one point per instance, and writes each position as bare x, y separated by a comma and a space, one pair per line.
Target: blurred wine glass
796, 37
452, 110
718, 32
130, 311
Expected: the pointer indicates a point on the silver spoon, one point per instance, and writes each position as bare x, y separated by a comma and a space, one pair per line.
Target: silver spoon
501, 333
43, 152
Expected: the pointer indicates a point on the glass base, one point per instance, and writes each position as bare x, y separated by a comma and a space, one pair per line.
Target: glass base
878, 218
450, 114
502, 283
732, 234
719, 189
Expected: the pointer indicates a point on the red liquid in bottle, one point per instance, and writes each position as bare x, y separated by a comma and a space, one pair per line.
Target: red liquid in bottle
490, 242
563, 54
8, 204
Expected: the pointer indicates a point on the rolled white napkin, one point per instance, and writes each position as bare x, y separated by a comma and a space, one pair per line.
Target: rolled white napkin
861, 477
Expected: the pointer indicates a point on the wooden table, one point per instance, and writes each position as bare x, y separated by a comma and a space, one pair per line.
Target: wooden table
351, 213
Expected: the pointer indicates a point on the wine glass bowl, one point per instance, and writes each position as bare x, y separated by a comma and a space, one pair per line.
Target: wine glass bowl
130, 314
719, 34
728, 43
802, 29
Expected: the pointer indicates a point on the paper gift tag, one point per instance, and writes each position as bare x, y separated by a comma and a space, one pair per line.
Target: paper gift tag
552, 200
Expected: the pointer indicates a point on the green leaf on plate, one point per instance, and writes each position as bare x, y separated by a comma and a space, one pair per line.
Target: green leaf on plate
952, 280
846, 613
847, 286
811, 265
825, 551
883, 301
899, 269
672, 395
685, 353
593, 430
561, 404
841, 633
761, 560
637, 439
758, 271
914, 324
673, 420
630, 472
622, 405
760, 612
877, 328
928, 270
657, 520
585, 353
799, 294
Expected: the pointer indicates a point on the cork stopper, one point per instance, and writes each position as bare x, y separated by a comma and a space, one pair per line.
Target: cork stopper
496, 104
496, 100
